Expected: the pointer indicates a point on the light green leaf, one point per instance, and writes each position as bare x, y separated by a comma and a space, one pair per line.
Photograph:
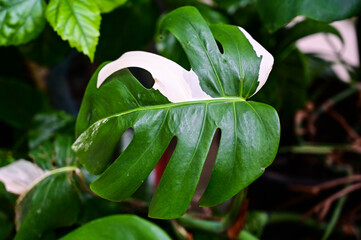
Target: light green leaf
106, 6
20, 21
77, 21
190, 106
277, 13
50, 204
118, 227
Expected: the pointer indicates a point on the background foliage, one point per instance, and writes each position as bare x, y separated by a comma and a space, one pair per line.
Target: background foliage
50, 49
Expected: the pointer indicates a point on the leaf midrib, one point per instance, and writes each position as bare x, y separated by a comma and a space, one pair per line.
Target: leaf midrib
171, 105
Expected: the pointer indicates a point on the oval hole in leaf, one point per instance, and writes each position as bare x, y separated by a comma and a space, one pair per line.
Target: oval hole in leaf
207, 168
163, 162
143, 76
126, 139
220, 47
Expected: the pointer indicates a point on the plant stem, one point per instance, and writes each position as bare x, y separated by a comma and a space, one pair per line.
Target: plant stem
244, 235
216, 226
335, 216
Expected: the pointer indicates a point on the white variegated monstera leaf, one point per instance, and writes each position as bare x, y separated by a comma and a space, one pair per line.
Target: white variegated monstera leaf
189, 105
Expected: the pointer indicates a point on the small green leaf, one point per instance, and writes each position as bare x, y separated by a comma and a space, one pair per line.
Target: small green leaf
51, 204
20, 21
118, 227
106, 6
277, 13
77, 21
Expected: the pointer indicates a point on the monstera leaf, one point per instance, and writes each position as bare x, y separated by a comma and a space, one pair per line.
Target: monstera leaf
189, 105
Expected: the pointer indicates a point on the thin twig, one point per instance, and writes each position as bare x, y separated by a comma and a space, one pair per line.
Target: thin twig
324, 206
326, 185
343, 122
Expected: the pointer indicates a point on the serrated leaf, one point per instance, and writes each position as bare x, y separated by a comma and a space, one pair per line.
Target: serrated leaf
50, 204
76, 21
191, 106
118, 227
106, 6
21, 21
277, 13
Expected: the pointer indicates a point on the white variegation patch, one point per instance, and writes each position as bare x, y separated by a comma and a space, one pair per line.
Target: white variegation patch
173, 81
18, 177
266, 62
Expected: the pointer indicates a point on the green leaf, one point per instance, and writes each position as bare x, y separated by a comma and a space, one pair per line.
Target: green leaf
6, 227
168, 46
20, 21
51, 204
250, 130
18, 109
232, 5
49, 155
118, 227
199, 43
77, 21
46, 125
277, 13
5, 157
106, 6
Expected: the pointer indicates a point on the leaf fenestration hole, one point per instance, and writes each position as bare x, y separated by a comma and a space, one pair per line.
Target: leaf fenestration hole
123, 143
220, 47
163, 162
126, 139
207, 169
143, 76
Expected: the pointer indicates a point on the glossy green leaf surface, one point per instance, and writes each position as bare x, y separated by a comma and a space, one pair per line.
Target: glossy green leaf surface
118, 227
21, 21
277, 13
221, 74
106, 6
250, 130
50, 204
76, 21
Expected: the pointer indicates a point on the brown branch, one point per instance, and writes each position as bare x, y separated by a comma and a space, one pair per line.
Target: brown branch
234, 230
327, 185
343, 122
323, 207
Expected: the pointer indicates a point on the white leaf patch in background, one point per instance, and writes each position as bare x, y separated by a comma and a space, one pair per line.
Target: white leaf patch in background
18, 177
